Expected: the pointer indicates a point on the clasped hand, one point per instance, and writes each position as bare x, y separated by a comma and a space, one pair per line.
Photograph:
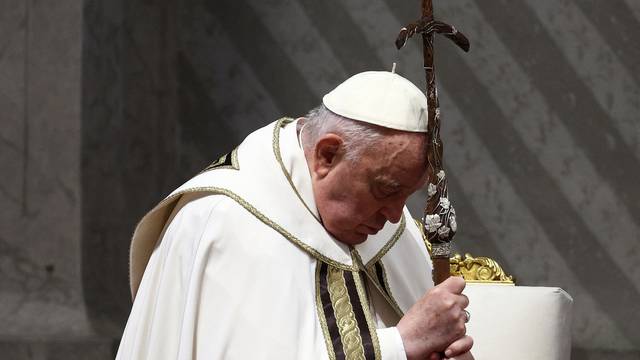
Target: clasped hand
436, 323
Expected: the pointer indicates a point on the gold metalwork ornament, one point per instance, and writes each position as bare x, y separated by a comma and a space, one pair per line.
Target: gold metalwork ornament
479, 270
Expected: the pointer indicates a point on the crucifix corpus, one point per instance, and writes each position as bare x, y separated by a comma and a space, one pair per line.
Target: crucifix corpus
439, 219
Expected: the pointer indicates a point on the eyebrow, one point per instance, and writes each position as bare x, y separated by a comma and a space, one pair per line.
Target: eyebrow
381, 179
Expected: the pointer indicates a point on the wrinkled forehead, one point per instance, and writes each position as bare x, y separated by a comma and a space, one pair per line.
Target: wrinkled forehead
400, 157
401, 148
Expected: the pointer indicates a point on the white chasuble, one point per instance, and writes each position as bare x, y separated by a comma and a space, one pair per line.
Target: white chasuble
235, 264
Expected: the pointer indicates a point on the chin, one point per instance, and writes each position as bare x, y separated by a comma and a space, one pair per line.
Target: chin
346, 234
353, 238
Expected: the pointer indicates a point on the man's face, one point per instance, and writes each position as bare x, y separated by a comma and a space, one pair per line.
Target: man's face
356, 198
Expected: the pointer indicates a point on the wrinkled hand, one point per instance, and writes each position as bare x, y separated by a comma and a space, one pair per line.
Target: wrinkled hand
436, 323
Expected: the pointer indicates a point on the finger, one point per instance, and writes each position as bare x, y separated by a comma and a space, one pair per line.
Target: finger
462, 320
464, 356
461, 326
460, 346
454, 284
463, 300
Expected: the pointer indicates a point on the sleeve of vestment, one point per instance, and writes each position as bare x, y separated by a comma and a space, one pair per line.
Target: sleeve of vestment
159, 323
391, 346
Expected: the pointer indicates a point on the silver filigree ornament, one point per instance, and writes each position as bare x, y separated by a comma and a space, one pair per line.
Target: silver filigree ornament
452, 222
432, 223
431, 189
443, 231
444, 203
441, 249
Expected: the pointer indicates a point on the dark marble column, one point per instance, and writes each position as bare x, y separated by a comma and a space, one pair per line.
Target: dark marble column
87, 97
128, 139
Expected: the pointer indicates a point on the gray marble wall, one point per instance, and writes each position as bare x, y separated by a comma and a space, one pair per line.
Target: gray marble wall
87, 97
40, 159
42, 307
106, 105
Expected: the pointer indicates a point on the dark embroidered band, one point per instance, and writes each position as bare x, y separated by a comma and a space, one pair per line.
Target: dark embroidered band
226, 161
381, 277
344, 315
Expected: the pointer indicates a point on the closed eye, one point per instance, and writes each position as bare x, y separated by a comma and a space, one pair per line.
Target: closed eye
383, 187
385, 191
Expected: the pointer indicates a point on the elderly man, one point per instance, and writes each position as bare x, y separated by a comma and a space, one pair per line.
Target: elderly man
298, 245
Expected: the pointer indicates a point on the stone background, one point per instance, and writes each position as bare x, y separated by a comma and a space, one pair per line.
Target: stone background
106, 105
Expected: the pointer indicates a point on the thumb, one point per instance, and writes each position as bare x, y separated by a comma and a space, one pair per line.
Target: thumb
454, 284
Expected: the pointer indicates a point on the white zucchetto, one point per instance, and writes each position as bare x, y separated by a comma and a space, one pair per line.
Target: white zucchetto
382, 98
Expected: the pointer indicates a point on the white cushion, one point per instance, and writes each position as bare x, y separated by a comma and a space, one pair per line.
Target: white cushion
519, 322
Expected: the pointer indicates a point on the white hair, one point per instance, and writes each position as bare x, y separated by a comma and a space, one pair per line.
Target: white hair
356, 135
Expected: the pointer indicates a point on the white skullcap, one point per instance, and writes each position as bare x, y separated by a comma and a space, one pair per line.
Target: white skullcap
381, 98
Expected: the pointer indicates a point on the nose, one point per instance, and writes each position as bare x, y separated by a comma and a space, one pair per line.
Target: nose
393, 211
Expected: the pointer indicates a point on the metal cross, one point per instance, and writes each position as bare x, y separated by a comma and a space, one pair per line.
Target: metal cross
439, 216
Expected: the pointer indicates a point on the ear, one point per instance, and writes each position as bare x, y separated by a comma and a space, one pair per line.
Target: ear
327, 153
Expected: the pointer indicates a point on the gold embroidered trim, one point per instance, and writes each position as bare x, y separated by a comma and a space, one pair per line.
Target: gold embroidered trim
276, 151
390, 243
345, 318
260, 216
367, 314
218, 163
321, 317
284, 121
371, 275
392, 301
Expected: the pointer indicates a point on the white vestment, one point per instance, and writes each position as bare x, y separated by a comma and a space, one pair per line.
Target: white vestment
237, 266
